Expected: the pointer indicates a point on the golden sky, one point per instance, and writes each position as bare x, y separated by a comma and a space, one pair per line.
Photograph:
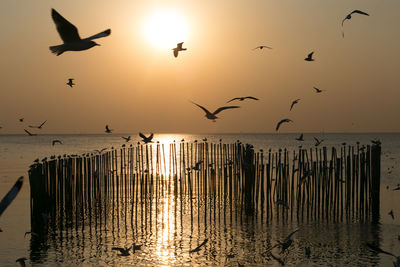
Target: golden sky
134, 83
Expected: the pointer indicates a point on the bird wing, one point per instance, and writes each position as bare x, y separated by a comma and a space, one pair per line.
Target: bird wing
42, 123
293, 103
252, 97
291, 234
142, 135
316, 139
100, 34
278, 125
310, 55
359, 12
179, 45
67, 31
175, 52
316, 89
151, 136
236, 98
256, 47
267, 47
223, 108
203, 108
71, 79
122, 250
6, 201
28, 132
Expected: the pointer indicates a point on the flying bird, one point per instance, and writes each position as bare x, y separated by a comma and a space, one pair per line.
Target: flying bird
29, 133
318, 90
199, 246
21, 261
108, 130
56, 142
280, 122
391, 214
283, 203
178, 48
70, 82
212, 116
39, 127
146, 139
317, 141
7, 199
70, 36
242, 98
100, 151
261, 47
21, 120
294, 103
300, 138
127, 139
309, 57
287, 242
348, 17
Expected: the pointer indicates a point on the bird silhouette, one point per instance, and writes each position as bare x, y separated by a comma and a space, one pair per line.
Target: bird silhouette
70, 82
108, 130
199, 246
178, 48
300, 138
348, 17
127, 139
282, 203
21, 261
309, 57
21, 120
100, 151
294, 103
261, 47
70, 36
317, 141
212, 116
287, 242
280, 122
123, 251
146, 139
242, 98
9, 197
39, 127
318, 90
29, 133
391, 214
56, 142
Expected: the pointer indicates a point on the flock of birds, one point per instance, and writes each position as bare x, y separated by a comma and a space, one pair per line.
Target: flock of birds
73, 42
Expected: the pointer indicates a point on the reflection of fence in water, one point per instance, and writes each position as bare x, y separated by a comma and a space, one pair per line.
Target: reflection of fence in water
227, 178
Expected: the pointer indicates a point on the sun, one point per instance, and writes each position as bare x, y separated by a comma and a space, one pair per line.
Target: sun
164, 29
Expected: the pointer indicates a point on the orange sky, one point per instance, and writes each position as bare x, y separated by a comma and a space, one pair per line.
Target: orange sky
135, 85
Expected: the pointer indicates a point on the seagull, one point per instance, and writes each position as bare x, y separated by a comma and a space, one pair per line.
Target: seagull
212, 116
294, 103
146, 139
70, 36
124, 251
199, 246
178, 48
70, 82
243, 98
21, 120
100, 151
261, 47
21, 261
318, 90
39, 127
379, 250
281, 202
56, 142
318, 142
30, 134
108, 130
280, 122
6, 201
309, 57
348, 17
300, 138
127, 139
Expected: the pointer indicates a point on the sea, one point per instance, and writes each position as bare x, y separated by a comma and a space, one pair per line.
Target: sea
168, 239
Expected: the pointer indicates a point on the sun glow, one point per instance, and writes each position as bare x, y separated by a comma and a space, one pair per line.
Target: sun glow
165, 29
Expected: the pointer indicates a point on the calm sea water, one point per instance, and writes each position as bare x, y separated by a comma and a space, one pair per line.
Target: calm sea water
166, 241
